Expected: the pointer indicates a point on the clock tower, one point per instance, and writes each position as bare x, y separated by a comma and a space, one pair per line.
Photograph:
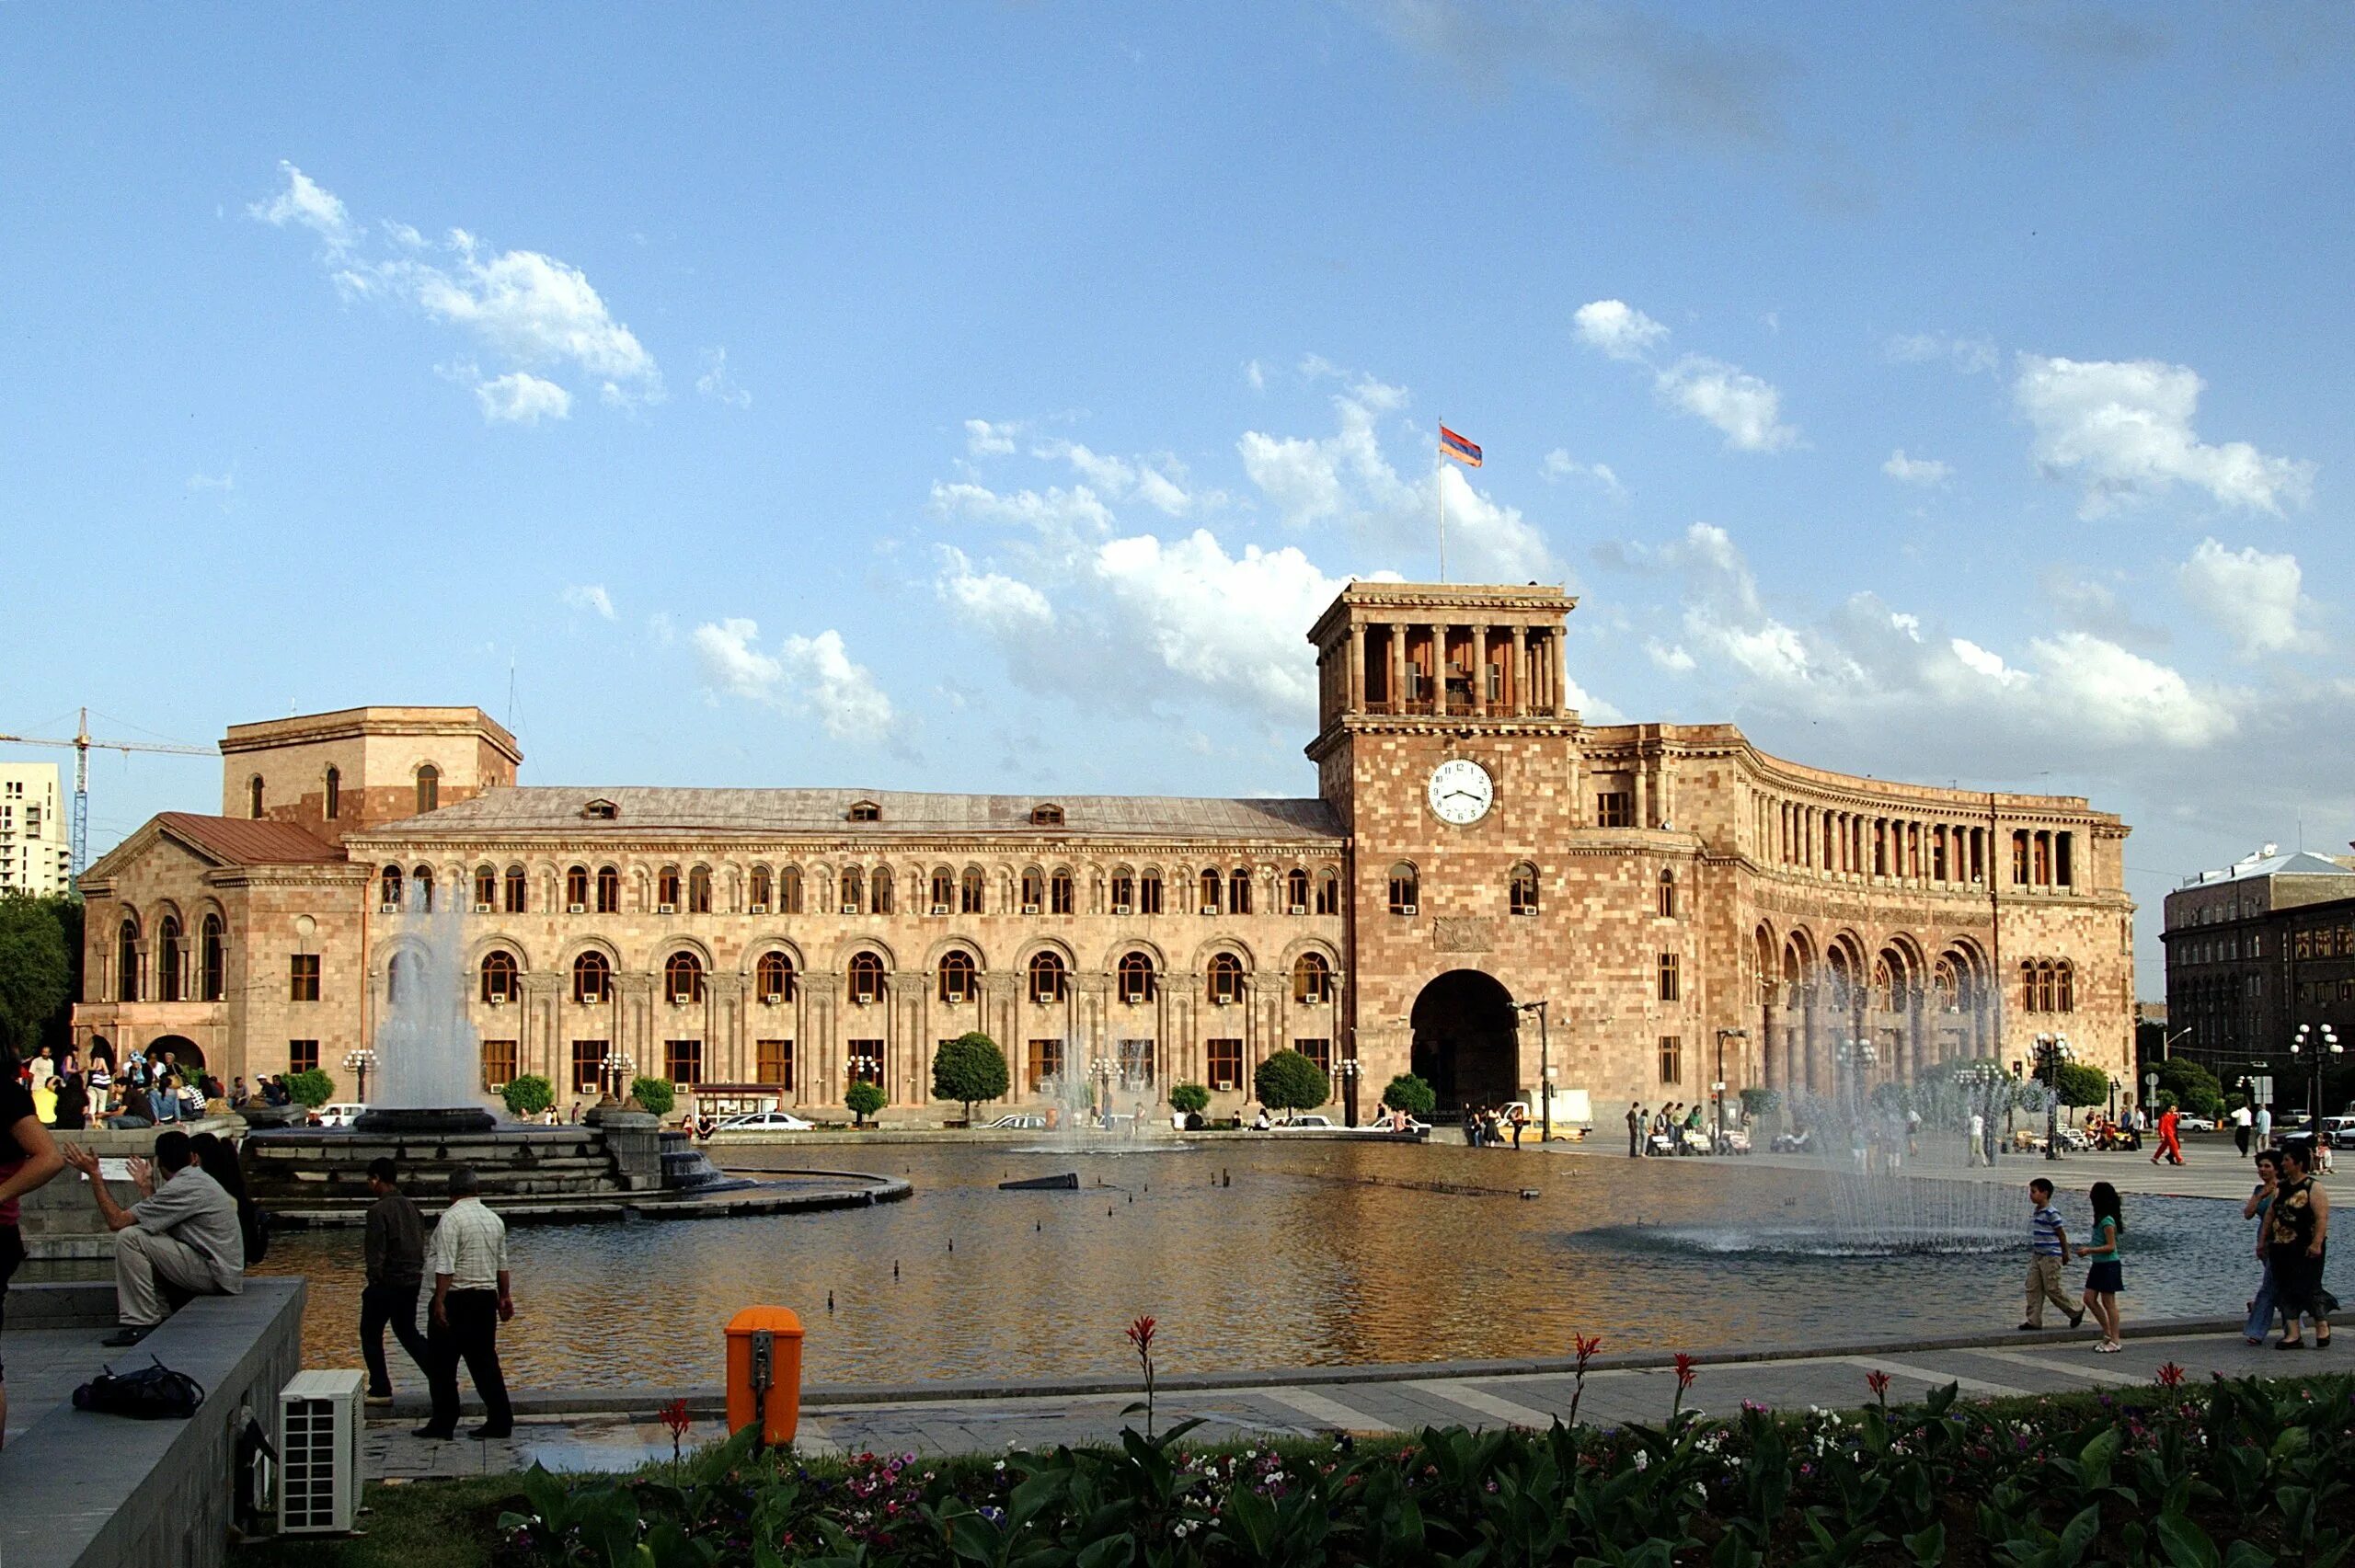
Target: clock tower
1447, 747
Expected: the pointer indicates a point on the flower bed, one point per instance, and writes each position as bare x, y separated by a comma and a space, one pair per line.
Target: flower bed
2234, 1474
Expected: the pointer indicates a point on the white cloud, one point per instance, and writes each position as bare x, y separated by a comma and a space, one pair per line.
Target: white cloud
1062, 520
983, 439
1968, 355
1907, 470
1670, 657
1560, 465
519, 399
224, 482
1747, 409
590, 597
1254, 375
998, 604
2123, 429
807, 675
305, 203
1617, 328
1147, 479
2252, 596
717, 383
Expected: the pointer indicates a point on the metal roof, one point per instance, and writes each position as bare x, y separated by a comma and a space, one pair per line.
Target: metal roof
2304, 863
243, 840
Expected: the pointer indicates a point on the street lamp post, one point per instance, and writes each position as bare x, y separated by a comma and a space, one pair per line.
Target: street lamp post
1544, 1073
1101, 1075
1345, 1069
361, 1062
2052, 1050
2313, 1046
616, 1076
1717, 1087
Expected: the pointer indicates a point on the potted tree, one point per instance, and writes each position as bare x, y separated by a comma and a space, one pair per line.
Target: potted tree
864, 1099
967, 1070
1189, 1100
1289, 1081
527, 1096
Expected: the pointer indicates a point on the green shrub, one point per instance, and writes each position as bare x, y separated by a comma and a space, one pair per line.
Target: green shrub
656, 1094
310, 1087
1758, 1101
967, 1068
2194, 1087
527, 1095
1289, 1080
2081, 1084
865, 1099
1189, 1099
1411, 1094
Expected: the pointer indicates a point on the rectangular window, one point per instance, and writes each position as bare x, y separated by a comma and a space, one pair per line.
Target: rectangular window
1046, 1061
498, 1063
683, 1061
773, 1062
303, 969
587, 1064
302, 1056
865, 1058
1226, 1059
1614, 809
1136, 1063
1318, 1051
1328, 896
1669, 964
1149, 896
1671, 1059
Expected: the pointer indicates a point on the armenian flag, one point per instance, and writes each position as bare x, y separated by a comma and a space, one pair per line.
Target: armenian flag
1455, 446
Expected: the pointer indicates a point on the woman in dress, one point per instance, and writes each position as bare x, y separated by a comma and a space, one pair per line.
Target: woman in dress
2103, 1279
2261, 1307
2297, 1240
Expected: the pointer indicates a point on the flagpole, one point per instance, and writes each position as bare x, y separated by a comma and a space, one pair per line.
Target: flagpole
1439, 482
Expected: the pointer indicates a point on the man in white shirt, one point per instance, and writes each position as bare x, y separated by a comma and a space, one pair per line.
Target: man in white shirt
467, 1258
2243, 1122
184, 1233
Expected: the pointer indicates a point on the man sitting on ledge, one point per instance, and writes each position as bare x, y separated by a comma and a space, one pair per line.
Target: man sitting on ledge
182, 1233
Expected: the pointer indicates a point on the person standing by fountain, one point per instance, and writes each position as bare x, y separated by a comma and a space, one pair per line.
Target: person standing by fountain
2298, 1240
2047, 1246
395, 1250
2268, 1185
2105, 1279
471, 1298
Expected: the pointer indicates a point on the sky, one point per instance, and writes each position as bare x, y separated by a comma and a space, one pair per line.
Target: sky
989, 396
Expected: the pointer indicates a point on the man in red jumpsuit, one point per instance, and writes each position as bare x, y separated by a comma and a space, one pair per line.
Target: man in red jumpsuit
2171, 1144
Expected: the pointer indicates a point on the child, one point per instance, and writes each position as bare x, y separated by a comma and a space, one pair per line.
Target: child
2104, 1280
2047, 1246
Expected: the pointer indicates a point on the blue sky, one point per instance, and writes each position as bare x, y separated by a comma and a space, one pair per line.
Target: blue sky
987, 397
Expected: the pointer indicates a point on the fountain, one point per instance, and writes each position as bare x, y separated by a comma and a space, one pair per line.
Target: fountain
427, 1052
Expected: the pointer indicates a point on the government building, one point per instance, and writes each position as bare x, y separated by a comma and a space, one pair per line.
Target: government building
1484, 889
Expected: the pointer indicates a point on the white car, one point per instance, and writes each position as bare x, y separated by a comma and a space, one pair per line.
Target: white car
2194, 1124
2339, 1131
1304, 1124
341, 1114
1018, 1121
763, 1121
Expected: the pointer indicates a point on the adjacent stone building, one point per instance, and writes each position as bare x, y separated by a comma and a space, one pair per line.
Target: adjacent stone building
1687, 909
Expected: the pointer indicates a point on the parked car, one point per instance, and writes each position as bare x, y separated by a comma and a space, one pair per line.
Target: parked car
1304, 1123
342, 1114
764, 1121
1018, 1121
2194, 1124
2339, 1131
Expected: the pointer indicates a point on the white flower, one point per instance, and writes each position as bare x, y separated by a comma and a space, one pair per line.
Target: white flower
1643, 1459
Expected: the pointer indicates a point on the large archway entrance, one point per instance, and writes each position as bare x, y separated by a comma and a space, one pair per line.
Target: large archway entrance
1467, 1040
185, 1051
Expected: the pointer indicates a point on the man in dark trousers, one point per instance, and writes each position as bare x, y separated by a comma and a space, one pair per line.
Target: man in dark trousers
1635, 1132
396, 1255
468, 1259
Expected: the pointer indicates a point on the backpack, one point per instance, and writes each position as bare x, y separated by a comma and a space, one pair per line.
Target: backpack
152, 1394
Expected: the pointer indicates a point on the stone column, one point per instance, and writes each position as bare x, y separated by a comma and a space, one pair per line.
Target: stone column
1518, 678
1560, 670
1357, 681
1397, 689
1480, 670
1643, 792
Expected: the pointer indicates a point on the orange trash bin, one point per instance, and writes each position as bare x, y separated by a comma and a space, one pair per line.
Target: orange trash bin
764, 1372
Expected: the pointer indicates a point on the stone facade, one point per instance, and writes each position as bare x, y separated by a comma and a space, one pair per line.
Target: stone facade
1666, 891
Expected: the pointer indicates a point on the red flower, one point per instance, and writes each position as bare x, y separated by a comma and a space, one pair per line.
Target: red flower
1140, 1334
1683, 1371
1878, 1382
674, 1417
2171, 1375
1587, 1346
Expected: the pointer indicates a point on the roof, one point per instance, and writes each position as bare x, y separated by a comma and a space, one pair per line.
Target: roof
2250, 867
243, 840
825, 813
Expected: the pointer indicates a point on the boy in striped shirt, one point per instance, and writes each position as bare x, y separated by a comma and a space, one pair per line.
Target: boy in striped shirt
2049, 1244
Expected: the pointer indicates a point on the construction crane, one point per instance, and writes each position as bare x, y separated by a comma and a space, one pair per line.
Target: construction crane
81, 743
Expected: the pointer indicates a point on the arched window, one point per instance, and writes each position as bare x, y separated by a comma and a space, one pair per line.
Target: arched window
1063, 895
593, 980
390, 887
397, 978
1312, 980
1329, 895
485, 886
1296, 891
1136, 977
1522, 889
609, 890
1402, 890
699, 890
1226, 979
943, 890
772, 977
789, 890
1047, 975
212, 962
879, 891
682, 978
853, 890
575, 888
1034, 890
666, 888
126, 962
762, 887
422, 888
167, 958
1149, 892
1124, 890
253, 792
502, 981
970, 895
865, 978
429, 788
1212, 884
1668, 893
2066, 988
960, 982
515, 899
335, 794
2028, 984
1238, 891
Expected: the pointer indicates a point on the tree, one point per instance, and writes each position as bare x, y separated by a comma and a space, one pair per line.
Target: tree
2083, 1084
1411, 1094
655, 1094
1289, 1080
528, 1095
2194, 1087
36, 969
1188, 1099
864, 1099
969, 1068
310, 1087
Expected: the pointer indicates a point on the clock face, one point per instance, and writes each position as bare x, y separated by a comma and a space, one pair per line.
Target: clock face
1461, 792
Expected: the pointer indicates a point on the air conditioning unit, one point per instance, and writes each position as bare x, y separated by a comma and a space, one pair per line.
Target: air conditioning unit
940, 909
576, 909
392, 908
1029, 909
482, 908
1120, 909
773, 998
850, 909
1210, 908
1406, 909
756, 909
318, 1453
1300, 909
666, 909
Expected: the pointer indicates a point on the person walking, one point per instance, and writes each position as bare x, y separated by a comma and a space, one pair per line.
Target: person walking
395, 1254
1978, 1154
2260, 1306
2298, 1240
1635, 1132
2105, 1279
472, 1296
2244, 1123
28, 1159
2047, 1246
2171, 1144
2265, 1127
1520, 1119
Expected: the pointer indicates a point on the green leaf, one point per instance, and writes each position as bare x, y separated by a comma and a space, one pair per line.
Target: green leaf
2186, 1544
1929, 1545
2079, 1531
